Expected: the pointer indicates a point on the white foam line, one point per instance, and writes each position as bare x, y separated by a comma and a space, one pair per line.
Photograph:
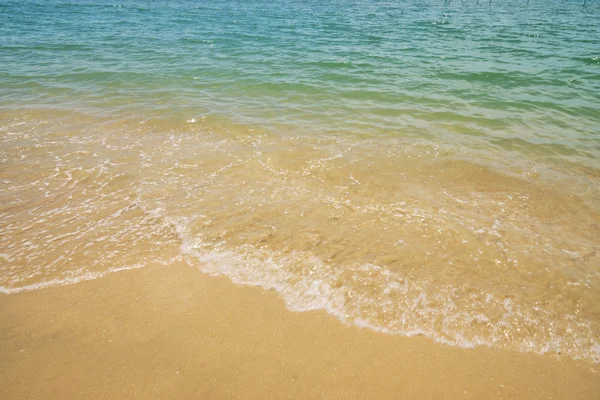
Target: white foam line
65, 281
311, 293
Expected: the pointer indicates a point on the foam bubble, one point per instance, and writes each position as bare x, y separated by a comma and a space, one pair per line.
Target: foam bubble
372, 297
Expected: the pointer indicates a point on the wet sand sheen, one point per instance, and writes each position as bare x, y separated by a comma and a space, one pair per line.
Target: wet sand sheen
172, 332
401, 236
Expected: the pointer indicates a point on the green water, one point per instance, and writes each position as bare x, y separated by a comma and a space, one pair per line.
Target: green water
507, 78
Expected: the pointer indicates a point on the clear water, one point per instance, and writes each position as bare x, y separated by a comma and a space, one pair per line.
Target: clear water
411, 167
506, 78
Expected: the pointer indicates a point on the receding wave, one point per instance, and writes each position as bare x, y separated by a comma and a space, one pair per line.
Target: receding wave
401, 236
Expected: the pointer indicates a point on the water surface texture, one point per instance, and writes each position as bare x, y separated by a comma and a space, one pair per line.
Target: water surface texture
412, 167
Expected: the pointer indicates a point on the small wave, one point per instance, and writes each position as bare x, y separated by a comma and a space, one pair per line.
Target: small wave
371, 296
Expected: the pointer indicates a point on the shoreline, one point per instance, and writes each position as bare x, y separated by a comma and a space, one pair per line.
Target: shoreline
335, 200
174, 332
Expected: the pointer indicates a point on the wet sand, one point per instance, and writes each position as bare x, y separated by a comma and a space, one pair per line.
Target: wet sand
408, 238
173, 332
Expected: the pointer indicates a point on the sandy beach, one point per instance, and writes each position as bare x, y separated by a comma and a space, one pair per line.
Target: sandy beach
347, 199
174, 333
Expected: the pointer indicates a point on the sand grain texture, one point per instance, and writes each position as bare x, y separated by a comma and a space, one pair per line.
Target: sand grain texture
175, 333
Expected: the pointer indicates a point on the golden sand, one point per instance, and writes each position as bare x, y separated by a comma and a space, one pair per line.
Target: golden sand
173, 332
399, 235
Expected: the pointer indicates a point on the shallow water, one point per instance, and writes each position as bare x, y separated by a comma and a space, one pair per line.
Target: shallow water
412, 167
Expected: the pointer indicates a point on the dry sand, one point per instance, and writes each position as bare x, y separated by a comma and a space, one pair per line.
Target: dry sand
173, 332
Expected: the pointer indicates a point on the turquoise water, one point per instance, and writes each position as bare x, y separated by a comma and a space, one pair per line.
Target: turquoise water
413, 167
509, 77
